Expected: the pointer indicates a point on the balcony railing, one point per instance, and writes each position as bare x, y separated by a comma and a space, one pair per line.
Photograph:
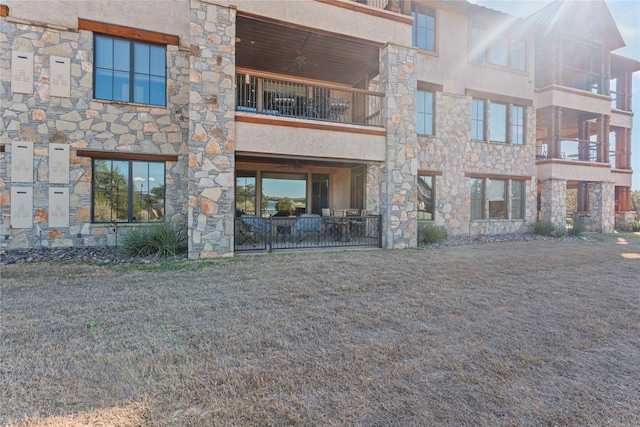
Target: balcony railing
285, 97
390, 5
620, 101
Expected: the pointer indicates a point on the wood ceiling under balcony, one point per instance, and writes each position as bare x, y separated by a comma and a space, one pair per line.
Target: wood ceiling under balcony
307, 53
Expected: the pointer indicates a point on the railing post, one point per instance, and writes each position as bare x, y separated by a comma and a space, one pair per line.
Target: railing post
270, 228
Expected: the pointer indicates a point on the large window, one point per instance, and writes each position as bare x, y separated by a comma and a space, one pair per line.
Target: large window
284, 193
128, 191
424, 27
477, 119
497, 199
129, 71
425, 112
498, 121
500, 115
497, 49
426, 197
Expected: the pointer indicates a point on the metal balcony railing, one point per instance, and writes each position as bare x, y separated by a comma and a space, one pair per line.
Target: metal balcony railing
620, 100
286, 97
253, 233
579, 150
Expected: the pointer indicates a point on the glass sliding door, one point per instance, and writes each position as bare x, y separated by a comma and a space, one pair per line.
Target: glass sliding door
319, 193
246, 193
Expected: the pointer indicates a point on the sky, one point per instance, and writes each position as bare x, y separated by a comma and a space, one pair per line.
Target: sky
626, 13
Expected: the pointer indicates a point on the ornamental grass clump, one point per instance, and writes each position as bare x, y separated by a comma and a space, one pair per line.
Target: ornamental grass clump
157, 240
544, 227
577, 229
430, 233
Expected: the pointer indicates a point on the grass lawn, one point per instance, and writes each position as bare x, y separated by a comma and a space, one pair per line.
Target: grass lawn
540, 333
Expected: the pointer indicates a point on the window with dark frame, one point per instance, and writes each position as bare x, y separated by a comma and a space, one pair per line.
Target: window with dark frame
497, 199
425, 112
127, 191
517, 199
501, 49
426, 198
129, 71
424, 27
517, 124
477, 198
498, 122
477, 119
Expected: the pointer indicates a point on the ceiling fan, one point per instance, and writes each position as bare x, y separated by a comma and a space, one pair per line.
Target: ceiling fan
300, 61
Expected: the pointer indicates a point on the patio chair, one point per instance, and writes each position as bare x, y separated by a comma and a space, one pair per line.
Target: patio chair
308, 225
253, 229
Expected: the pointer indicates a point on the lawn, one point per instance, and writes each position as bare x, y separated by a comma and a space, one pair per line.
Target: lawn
540, 333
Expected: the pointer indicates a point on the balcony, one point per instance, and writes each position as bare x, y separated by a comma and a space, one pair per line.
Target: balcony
578, 150
283, 96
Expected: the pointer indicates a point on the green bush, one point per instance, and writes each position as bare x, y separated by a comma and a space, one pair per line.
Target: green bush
430, 233
577, 229
160, 240
636, 226
545, 227
285, 204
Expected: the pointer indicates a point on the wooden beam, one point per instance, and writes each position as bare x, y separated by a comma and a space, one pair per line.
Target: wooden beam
128, 32
351, 5
499, 98
4, 10
497, 176
431, 87
262, 120
429, 173
119, 155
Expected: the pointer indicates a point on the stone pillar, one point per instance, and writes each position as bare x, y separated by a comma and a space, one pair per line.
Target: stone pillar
554, 201
211, 130
602, 200
398, 193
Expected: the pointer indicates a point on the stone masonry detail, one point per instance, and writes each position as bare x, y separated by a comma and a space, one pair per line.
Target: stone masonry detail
83, 123
553, 201
211, 130
398, 190
601, 200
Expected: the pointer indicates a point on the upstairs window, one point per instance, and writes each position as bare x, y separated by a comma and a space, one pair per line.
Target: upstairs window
424, 27
497, 49
498, 120
129, 71
517, 124
477, 119
425, 112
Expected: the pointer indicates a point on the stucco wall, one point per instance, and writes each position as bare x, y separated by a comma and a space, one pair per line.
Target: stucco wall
164, 16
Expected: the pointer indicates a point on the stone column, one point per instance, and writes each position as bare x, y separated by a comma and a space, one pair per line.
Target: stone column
398, 193
602, 200
211, 130
554, 201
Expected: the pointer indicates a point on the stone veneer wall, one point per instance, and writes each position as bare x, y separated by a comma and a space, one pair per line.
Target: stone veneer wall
212, 130
398, 193
84, 123
602, 203
553, 201
452, 152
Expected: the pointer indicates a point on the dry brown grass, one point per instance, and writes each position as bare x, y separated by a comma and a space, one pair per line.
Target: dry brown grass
543, 333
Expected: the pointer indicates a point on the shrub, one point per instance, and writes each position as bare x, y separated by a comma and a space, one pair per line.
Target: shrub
578, 228
285, 204
431, 233
545, 227
636, 226
159, 240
